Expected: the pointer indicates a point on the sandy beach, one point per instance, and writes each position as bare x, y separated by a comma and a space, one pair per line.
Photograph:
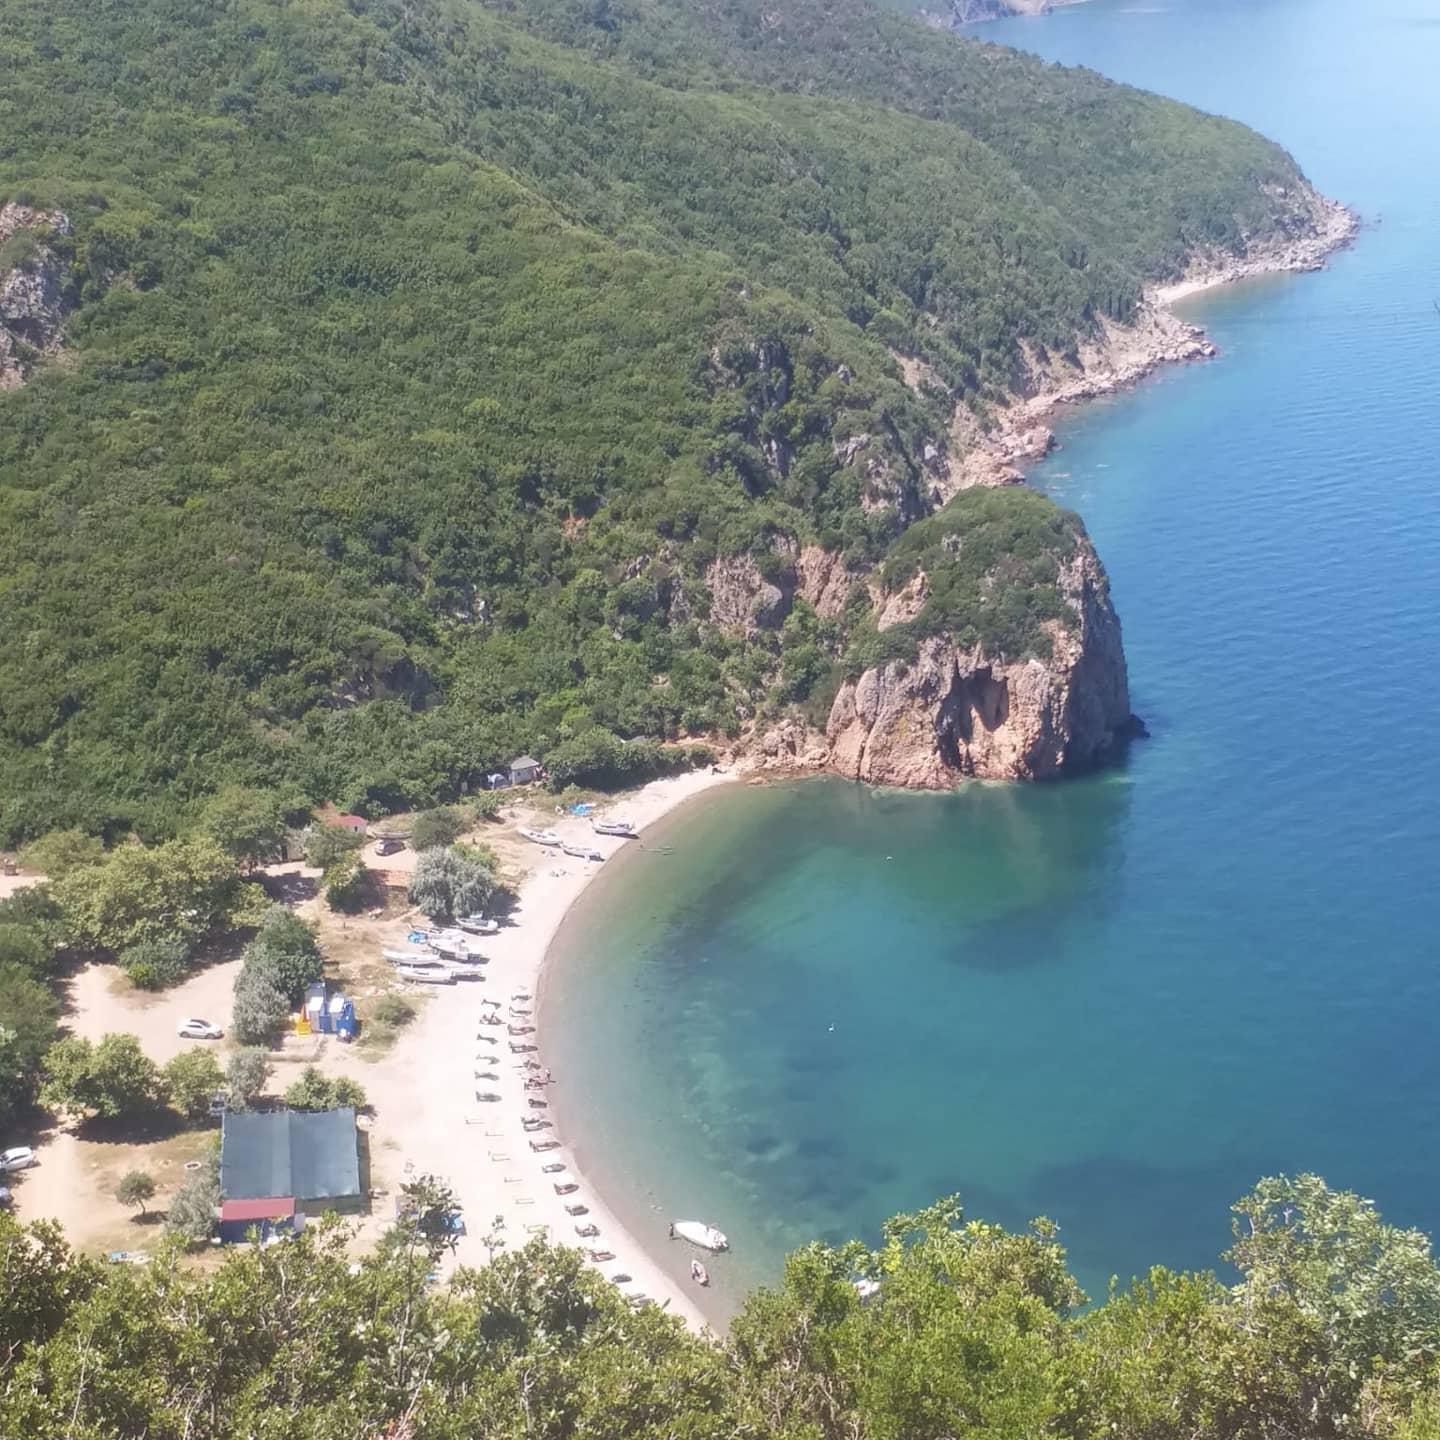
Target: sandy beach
448, 1055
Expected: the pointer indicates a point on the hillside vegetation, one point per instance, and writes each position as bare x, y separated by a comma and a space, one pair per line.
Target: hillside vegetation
1330, 1331
423, 354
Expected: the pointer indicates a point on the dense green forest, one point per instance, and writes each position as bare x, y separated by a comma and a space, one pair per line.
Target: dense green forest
1328, 1328
423, 354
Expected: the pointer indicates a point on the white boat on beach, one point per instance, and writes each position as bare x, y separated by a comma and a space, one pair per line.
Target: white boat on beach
540, 837
478, 925
426, 974
698, 1273
623, 828
699, 1233
405, 957
581, 852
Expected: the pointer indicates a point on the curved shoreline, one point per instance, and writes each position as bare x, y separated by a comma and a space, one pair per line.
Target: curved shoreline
490, 1163
482, 1149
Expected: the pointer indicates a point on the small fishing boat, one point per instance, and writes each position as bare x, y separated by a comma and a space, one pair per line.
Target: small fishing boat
425, 974
554, 1169
416, 955
488, 1095
623, 828
587, 1232
698, 1273
532, 1123
567, 1189
581, 852
478, 925
521, 1029
538, 1145
699, 1233
577, 1209
600, 1256
541, 837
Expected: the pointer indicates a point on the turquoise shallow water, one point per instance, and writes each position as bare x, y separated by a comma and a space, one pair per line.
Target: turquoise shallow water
1120, 1000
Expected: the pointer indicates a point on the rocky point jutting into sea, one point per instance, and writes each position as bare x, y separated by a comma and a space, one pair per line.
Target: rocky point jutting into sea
951, 709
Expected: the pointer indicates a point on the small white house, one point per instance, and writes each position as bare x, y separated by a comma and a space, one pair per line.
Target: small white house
524, 770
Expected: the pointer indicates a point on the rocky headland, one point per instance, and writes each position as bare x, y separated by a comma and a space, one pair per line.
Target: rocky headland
948, 705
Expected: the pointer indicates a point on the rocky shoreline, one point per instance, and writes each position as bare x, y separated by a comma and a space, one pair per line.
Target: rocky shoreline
1127, 354
951, 714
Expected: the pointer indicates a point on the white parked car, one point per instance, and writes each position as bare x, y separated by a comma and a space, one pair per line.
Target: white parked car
16, 1159
199, 1030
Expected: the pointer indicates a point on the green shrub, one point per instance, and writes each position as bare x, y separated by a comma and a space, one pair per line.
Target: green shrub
438, 827
156, 964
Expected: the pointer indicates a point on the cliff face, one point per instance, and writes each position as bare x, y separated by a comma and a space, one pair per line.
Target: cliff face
954, 712
971, 12
32, 290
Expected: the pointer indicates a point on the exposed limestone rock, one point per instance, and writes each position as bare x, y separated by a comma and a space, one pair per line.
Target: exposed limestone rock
823, 580
32, 293
744, 601
951, 713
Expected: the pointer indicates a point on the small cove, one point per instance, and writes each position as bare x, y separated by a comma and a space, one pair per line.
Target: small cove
1120, 1000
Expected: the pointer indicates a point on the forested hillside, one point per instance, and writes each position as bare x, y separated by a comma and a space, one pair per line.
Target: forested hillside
1330, 1331
420, 357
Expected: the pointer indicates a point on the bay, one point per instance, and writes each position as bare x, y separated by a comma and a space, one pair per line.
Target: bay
1120, 1000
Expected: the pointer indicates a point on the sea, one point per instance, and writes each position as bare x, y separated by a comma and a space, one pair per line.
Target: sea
1117, 1001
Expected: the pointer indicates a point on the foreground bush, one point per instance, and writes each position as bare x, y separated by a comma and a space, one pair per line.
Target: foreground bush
1331, 1332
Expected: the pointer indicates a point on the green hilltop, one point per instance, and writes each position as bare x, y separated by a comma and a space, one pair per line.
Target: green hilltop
422, 355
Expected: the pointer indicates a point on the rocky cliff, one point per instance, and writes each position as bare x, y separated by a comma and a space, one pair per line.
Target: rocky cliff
956, 711
971, 12
33, 278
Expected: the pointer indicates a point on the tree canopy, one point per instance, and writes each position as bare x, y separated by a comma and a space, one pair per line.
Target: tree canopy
965, 1330
425, 357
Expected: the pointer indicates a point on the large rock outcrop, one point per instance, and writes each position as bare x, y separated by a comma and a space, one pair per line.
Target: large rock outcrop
32, 290
953, 713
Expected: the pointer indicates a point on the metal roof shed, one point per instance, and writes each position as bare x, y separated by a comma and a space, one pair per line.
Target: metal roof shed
313, 1158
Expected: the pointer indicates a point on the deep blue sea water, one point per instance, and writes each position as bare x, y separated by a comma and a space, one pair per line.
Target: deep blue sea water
1116, 1001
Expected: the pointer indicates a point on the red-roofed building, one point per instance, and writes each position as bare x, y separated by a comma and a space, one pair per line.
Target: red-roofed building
357, 824
239, 1217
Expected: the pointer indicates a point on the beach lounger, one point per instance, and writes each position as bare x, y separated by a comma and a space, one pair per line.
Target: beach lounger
498, 1155
524, 1199
537, 1229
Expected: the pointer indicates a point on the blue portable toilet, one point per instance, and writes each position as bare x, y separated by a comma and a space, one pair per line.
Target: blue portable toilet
344, 1016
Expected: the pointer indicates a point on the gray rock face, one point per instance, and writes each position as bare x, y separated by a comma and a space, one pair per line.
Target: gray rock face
32, 291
